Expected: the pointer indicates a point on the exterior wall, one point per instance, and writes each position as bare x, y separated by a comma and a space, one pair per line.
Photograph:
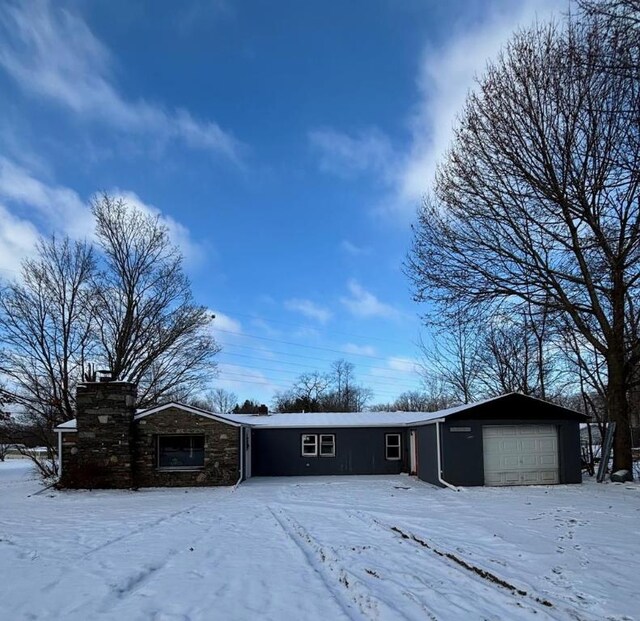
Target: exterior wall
104, 413
462, 452
221, 450
69, 454
277, 452
427, 454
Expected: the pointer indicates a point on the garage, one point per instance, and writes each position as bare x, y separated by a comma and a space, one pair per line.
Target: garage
520, 454
512, 439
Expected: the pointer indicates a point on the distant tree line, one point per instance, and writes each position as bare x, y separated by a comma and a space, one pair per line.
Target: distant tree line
334, 391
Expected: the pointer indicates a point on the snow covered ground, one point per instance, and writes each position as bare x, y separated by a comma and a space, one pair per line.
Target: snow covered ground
319, 548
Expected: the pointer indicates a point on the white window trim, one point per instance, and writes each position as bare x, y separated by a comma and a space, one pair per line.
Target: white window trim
332, 437
304, 448
387, 446
177, 468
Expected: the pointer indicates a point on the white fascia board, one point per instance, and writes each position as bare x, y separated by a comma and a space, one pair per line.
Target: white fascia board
185, 408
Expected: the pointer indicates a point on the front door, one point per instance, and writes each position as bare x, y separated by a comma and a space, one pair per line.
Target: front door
413, 452
247, 452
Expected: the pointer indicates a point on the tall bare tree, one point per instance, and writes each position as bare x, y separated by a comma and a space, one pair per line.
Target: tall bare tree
538, 198
149, 329
453, 356
45, 328
216, 400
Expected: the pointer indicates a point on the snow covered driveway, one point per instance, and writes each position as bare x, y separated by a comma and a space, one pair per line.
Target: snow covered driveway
318, 548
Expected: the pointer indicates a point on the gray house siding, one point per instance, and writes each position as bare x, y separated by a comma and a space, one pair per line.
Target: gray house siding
277, 452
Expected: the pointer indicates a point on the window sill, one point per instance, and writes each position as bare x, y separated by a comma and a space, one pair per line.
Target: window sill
187, 469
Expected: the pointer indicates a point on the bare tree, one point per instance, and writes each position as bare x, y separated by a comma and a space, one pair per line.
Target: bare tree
346, 395
538, 198
216, 400
454, 354
150, 331
45, 320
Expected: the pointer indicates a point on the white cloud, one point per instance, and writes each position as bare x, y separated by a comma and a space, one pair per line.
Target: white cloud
56, 208
53, 54
446, 74
224, 322
353, 249
445, 78
345, 155
363, 303
308, 309
17, 241
359, 350
33, 207
245, 382
405, 365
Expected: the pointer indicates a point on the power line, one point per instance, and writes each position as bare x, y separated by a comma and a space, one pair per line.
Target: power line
335, 351
300, 325
312, 366
266, 382
393, 382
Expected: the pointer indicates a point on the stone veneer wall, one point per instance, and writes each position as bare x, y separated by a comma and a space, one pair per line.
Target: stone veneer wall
221, 450
104, 442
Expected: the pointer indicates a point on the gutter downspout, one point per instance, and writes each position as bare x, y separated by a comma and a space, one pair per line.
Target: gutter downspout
439, 452
241, 456
59, 455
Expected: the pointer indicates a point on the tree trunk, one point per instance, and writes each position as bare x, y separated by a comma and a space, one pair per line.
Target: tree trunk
618, 378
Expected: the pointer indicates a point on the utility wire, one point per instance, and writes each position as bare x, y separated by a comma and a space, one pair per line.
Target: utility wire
335, 351
315, 366
301, 325
394, 382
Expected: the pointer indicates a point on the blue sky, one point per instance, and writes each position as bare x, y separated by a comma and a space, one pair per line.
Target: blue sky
286, 144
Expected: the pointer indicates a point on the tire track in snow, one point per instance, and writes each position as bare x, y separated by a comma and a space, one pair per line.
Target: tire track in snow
312, 552
136, 531
420, 587
372, 605
541, 604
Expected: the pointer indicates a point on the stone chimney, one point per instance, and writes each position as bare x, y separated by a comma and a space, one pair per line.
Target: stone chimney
104, 414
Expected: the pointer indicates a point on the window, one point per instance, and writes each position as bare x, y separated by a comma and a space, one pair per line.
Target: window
392, 446
181, 452
327, 445
309, 445
314, 445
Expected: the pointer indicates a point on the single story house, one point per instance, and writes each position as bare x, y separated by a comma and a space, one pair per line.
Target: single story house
508, 440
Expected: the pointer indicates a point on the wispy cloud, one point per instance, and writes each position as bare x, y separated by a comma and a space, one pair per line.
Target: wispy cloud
446, 74
33, 207
17, 241
363, 303
359, 350
404, 365
52, 53
54, 208
227, 323
353, 249
308, 309
348, 155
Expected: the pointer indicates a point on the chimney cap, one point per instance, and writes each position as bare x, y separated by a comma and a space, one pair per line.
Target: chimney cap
105, 375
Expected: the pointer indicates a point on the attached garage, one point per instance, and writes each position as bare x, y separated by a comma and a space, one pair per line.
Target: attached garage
509, 440
520, 454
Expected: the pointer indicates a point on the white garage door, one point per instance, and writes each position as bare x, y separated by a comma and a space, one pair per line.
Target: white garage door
520, 454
